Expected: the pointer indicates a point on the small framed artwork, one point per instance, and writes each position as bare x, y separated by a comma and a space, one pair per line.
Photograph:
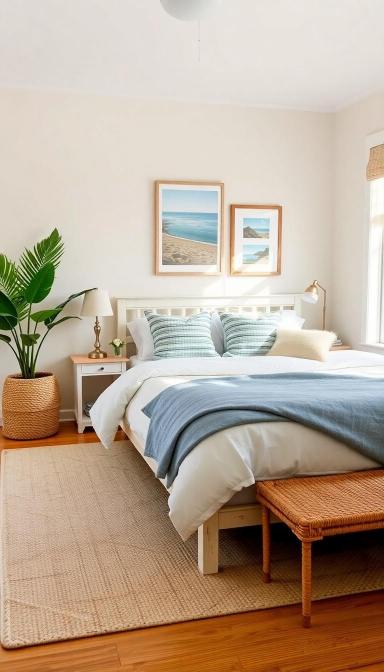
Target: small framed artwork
256, 239
189, 227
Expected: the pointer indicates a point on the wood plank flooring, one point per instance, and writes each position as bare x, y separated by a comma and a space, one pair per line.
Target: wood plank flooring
347, 634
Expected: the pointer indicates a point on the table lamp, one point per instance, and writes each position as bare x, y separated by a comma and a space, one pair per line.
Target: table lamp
311, 295
96, 304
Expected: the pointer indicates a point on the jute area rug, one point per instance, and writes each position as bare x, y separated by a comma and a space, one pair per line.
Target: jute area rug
87, 548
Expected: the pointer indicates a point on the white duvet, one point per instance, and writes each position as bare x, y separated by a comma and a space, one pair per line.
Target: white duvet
234, 458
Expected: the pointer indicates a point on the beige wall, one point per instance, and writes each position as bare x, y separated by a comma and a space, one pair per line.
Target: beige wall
86, 164
352, 126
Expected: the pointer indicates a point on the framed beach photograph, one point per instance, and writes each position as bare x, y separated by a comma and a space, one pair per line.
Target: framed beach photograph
256, 239
189, 227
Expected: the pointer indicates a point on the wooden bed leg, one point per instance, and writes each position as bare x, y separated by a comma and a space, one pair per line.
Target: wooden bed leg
208, 545
266, 544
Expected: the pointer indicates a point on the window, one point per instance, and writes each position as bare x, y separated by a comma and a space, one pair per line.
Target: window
375, 298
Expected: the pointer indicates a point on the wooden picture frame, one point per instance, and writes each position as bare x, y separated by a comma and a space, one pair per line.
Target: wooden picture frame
256, 232
189, 227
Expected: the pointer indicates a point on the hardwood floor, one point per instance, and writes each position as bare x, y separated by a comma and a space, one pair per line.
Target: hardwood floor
347, 634
66, 435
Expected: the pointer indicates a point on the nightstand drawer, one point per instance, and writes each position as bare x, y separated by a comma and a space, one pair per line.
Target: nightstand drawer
94, 369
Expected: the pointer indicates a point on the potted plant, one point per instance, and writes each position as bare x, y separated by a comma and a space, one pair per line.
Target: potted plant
31, 398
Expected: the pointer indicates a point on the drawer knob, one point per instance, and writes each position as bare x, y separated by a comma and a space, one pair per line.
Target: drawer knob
101, 368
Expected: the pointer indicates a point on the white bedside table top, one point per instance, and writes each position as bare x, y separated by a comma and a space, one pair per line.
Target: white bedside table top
343, 346
83, 359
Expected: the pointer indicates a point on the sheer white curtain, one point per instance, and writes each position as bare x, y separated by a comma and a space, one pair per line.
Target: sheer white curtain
377, 202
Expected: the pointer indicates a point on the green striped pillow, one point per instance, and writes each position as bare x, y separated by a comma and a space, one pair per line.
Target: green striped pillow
181, 337
248, 336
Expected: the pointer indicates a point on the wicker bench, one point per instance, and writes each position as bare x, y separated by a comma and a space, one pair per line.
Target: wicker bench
318, 507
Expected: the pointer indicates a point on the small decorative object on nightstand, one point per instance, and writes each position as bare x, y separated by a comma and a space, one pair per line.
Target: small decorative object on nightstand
97, 304
117, 344
83, 368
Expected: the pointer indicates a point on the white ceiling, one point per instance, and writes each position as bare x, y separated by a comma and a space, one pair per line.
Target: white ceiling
310, 54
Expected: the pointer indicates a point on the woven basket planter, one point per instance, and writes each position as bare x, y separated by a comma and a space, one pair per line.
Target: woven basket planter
30, 406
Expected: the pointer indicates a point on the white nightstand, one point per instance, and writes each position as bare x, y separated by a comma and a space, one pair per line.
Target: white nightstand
83, 367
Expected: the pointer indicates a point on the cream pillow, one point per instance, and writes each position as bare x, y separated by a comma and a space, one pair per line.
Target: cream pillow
304, 343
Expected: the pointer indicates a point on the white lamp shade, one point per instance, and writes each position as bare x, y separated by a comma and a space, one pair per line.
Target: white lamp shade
310, 297
190, 10
96, 303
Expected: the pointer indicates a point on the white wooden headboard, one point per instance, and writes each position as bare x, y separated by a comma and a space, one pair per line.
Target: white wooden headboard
130, 309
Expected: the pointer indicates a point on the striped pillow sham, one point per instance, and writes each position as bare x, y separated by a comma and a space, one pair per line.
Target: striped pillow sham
181, 337
246, 336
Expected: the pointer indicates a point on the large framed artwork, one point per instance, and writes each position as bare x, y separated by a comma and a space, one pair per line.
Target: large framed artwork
256, 239
189, 227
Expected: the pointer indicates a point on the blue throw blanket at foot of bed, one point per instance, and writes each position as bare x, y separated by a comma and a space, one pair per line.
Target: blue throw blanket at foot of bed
348, 408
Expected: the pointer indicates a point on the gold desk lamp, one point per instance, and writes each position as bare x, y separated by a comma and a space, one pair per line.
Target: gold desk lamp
311, 295
96, 304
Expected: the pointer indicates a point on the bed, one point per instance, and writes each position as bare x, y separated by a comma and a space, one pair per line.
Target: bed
214, 488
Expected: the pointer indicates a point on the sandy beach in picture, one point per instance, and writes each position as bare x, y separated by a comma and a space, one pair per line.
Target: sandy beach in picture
180, 251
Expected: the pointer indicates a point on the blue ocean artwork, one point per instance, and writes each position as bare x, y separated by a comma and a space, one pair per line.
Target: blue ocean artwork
199, 226
191, 213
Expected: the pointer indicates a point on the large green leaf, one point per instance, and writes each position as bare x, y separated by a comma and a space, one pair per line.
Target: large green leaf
8, 313
43, 315
48, 250
62, 305
8, 277
29, 339
40, 285
11, 286
5, 338
63, 319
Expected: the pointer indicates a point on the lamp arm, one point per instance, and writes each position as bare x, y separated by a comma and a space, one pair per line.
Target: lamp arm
324, 302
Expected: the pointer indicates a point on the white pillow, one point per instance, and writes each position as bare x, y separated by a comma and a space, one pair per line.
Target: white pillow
134, 360
303, 343
141, 334
291, 320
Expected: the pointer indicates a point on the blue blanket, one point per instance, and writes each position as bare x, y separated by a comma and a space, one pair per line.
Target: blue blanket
348, 408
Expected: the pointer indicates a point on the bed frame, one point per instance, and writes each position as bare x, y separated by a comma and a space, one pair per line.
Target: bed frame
228, 516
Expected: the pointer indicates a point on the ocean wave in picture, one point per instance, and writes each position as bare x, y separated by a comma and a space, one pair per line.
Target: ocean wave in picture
199, 226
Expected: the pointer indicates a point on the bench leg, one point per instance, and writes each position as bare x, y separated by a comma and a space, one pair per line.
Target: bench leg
266, 522
208, 545
306, 581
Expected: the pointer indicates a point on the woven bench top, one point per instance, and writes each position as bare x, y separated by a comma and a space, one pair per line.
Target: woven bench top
328, 501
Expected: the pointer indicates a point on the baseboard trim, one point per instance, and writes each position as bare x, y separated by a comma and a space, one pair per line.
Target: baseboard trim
67, 414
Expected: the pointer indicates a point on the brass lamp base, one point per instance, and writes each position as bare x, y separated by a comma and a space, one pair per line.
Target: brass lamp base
97, 354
